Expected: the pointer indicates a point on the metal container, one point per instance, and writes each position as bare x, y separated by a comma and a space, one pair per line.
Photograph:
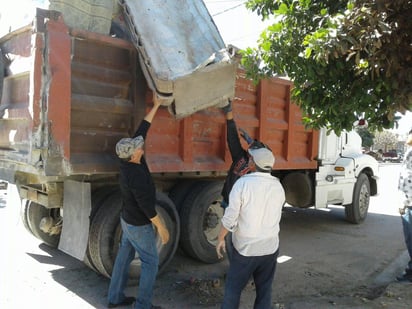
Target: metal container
181, 53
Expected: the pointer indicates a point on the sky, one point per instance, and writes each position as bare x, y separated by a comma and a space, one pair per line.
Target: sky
405, 124
237, 25
18, 13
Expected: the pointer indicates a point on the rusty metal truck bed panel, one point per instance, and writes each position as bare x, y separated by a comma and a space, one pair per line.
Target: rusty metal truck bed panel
69, 96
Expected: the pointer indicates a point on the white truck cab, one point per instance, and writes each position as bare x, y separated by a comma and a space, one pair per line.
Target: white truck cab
346, 176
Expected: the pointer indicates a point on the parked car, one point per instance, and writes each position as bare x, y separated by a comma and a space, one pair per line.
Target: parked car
392, 156
3, 185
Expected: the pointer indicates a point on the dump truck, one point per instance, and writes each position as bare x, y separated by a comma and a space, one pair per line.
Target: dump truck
69, 95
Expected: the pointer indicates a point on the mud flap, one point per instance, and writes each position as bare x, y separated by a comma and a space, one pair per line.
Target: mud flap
76, 211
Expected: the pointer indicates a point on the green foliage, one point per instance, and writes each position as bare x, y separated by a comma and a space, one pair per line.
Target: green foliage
348, 59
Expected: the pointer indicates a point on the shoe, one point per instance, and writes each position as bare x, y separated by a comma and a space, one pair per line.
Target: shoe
126, 301
406, 277
157, 307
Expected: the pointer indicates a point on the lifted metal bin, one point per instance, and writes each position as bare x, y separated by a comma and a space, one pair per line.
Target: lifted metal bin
182, 53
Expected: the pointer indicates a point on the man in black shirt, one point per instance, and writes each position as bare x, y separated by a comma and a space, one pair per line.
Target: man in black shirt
137, 216
240, 156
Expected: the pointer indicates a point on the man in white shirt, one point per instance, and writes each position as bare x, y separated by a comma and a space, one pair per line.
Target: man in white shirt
253, 216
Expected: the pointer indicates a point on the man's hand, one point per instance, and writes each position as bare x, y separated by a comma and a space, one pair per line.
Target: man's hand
164, 235
221, 247
227, 108
156, 100
161, 229
156, 104
246, 136
221, 244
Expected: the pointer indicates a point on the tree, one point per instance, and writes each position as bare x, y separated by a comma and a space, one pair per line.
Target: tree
385, 140
347, 59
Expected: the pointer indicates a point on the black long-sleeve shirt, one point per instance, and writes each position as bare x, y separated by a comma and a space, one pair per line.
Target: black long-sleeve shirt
137, 188
240, 159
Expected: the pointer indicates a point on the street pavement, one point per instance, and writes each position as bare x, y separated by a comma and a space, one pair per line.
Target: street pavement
324, 263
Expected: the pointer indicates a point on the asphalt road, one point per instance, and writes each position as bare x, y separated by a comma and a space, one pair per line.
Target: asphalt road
324, 262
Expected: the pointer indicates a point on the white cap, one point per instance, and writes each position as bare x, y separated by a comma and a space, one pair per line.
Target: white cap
263, 158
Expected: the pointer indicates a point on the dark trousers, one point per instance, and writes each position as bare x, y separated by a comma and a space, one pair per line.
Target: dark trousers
242, 268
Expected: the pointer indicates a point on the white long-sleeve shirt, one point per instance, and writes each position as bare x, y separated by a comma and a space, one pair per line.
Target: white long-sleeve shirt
253, 214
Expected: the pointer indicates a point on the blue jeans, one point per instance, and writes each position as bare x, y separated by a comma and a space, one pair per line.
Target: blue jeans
261, 268
407, 233
143, 240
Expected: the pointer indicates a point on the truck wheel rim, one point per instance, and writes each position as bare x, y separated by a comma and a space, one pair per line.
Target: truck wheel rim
212, 223
363, 199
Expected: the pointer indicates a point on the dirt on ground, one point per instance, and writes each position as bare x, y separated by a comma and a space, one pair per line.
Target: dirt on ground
208, 293
200, 286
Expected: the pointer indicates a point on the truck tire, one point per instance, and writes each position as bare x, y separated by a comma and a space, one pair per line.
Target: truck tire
98, 197
200, 217
103, 229
167, 211
24, 217
105, 234
35, 213
357, 211
179, 192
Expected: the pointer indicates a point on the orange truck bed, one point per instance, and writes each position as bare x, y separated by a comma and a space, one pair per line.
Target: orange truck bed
70, 95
